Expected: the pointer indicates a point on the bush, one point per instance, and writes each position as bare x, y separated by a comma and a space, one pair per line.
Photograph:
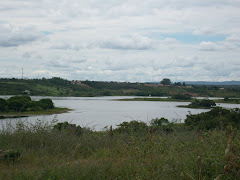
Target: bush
3, 105
9, 155
232, 100
46, 104
34, 106
205, 103
161, 124
69, 128
18, 103
24, 103
132, 126
216, 118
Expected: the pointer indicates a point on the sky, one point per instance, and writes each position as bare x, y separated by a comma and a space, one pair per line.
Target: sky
126, 40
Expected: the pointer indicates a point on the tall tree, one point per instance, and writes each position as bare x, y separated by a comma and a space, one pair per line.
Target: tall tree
166, 81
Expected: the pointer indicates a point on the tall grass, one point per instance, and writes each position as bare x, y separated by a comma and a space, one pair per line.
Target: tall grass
146, 154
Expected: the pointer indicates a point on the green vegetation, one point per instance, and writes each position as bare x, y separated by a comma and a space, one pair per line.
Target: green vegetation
195, 103
181, 96
17, 103
216, 118
206, 146
166, 81
133, 150
23, 105
156, 99
133, 126
68, 128
60, 87
201, 104
3, 105
176, 97
11, 114
228, 100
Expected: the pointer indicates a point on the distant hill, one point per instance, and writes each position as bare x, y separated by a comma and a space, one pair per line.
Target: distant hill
57, 86
224, 83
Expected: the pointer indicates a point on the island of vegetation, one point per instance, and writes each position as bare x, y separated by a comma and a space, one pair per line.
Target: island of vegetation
195, 103
200, 104
175, 98
206, 146
17, 106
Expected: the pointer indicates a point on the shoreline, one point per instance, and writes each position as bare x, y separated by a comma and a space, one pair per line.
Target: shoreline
177, 100
156, 99
186, 106
56, 110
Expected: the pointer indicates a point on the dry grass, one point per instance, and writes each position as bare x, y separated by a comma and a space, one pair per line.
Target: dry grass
182, 154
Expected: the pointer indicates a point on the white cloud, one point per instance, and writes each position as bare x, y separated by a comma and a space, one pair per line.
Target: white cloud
233, 39
218, 46
119, 40
209, 46
11, 35
134, 42
203, 31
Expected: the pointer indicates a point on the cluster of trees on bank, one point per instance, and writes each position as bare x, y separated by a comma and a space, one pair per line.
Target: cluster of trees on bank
216, 118
24, 103
200, 103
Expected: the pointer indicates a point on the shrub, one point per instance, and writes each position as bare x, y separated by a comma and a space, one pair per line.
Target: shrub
18, 103
216, 118
3, 105
34, 106
161, 124
227, 99
132, 126
205, 103
69, 128
9, 155
181, 96
24, 103
232, 100
46, 104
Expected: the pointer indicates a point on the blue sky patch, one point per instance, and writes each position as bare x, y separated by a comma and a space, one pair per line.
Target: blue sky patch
189, 38
46, 32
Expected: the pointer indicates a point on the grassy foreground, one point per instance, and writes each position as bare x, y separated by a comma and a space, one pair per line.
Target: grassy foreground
142, 154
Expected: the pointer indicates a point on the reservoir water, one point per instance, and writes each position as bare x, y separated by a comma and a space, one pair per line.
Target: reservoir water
99, 112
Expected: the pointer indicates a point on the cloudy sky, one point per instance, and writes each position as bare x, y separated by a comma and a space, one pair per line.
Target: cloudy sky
121, 40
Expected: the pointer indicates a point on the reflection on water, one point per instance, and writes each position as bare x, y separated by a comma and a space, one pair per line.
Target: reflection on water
98, 112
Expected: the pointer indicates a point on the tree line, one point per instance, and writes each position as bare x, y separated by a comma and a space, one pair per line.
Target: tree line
24, 103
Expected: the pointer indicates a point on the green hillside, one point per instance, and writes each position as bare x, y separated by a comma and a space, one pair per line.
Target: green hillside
60, 87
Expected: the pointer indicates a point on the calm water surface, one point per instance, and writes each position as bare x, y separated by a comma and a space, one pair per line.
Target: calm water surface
99, 112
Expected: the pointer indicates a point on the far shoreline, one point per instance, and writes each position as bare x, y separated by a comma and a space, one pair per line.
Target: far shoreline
176, 100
